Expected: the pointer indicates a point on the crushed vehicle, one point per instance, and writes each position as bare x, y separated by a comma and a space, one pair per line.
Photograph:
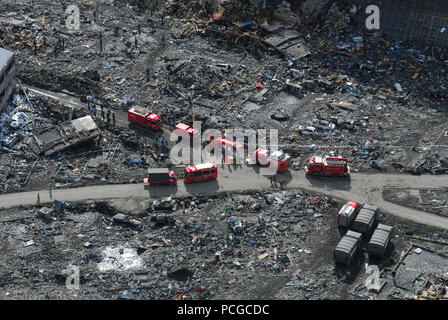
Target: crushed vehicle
160, 176
200, 173
144, 119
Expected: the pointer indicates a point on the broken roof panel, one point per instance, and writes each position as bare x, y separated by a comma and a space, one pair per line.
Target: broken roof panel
84, 124
289, 42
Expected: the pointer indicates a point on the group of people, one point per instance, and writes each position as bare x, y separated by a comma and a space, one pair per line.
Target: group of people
274, 181
161, 141
105, 116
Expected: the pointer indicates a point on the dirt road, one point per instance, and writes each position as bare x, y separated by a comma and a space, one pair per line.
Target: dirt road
361, 187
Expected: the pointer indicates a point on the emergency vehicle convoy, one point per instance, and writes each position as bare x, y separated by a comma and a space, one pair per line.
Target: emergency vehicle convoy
160, 176
263, 157
144, 119
328, 166
200, 172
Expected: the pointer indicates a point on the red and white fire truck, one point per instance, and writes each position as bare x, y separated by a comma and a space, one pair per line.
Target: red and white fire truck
328, 166
264, 158
200, 172
145, 119
348, 213
230, 145
193, 133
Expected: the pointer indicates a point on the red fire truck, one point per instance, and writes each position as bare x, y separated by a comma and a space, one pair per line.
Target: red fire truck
348, 213
193, 133
265, 158
144, 118
200, 172
160, 176
328, 166
233, 146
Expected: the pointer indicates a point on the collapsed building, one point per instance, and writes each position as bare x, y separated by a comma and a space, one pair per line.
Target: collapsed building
68, 134
7, 76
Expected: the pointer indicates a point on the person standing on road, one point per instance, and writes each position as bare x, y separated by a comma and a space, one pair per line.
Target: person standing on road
274, 180
282, 183
51, 191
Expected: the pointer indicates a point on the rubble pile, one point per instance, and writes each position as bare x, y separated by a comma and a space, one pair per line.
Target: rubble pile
30, 129
190, 247
302, 67
250, 245
249, 68
433, 288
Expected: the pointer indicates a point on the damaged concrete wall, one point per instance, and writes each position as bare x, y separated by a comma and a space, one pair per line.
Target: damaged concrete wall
7, 76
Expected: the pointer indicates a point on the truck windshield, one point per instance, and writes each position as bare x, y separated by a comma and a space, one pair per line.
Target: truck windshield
281, 156
188, 175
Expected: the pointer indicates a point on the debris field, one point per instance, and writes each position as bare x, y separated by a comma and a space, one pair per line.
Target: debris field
304, 67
